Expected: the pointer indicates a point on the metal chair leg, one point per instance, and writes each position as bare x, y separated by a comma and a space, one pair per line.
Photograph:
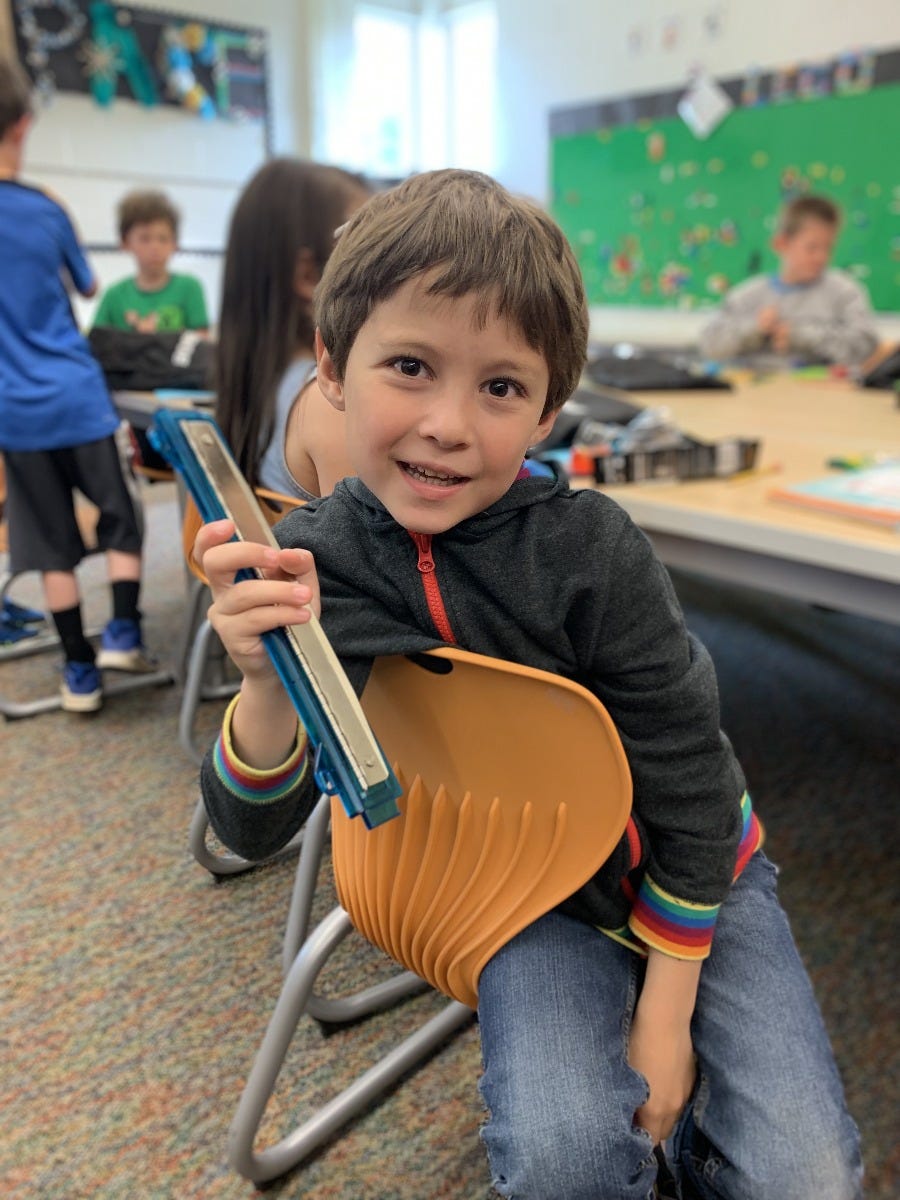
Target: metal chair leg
195, 690
332, 1009
262, 1165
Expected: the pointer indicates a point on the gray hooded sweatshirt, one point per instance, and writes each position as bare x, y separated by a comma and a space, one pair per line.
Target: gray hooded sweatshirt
558, 580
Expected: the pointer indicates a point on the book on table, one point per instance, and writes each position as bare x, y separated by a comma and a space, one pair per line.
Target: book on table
871, 494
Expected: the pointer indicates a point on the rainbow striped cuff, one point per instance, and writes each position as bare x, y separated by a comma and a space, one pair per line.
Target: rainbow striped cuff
625, 938
752, 836
252, 785
679, 928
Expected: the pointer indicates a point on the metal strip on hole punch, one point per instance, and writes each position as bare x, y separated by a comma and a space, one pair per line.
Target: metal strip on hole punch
347, 758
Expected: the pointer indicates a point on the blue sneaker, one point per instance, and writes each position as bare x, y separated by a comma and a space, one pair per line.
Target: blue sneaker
11, 632
121, 648
16, 614
81, 689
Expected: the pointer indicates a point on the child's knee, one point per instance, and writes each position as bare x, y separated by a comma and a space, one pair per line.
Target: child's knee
793, 1169
829, 1170
571, 1157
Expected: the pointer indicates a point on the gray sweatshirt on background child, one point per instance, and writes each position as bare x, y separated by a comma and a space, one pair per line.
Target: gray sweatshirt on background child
829, 320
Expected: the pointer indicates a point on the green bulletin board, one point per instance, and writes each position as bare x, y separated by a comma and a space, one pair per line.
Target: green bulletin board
659, 217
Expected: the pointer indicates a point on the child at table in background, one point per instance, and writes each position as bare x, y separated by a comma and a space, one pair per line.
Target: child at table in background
155, 300
804, 310
452, 327
283, 433
57, 422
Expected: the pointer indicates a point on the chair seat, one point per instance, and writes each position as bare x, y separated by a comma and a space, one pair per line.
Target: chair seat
499, 822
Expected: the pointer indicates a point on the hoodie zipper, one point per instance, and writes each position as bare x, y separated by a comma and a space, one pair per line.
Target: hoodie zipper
433, 596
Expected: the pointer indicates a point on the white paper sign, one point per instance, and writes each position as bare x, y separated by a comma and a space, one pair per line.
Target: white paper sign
704, 106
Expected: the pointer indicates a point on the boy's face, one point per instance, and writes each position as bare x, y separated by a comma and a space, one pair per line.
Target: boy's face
439, 412
152, 243
806, 252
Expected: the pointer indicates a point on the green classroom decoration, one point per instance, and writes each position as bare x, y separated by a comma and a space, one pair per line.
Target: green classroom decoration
660, 218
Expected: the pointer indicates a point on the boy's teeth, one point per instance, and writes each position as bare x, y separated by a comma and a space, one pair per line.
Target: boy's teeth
424, 473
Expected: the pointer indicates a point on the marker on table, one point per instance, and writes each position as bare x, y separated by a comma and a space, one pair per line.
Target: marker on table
754, 473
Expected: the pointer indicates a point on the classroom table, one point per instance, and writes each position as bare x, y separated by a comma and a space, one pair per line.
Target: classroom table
733, 531
139, 407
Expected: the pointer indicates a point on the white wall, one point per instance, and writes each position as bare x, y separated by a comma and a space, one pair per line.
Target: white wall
90, 156
576, 51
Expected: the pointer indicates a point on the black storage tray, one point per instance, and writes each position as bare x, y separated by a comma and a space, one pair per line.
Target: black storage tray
696, 460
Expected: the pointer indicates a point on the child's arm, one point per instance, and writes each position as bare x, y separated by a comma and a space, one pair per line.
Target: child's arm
847, 335
736, 328
660, 1043
195, 316
256, 784
74, 259
104, 315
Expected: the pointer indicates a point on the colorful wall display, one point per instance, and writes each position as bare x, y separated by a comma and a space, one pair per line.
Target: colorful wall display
128, 52
659, 217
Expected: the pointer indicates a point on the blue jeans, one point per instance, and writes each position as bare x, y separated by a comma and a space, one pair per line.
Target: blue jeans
767, 1119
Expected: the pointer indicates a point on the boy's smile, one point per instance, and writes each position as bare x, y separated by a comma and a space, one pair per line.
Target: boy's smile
439, 410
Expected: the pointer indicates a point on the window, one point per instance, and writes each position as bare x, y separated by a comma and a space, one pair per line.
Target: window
420, 91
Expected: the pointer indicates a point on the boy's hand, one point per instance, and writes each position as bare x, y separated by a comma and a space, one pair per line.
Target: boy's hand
660, 1044
767, 319
242, 611
781, 337
664, 1055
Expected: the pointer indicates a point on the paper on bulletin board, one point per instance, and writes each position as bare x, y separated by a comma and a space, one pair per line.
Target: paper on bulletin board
704, 106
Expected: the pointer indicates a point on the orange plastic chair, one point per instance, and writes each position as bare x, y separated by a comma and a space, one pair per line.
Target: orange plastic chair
516, 790
201, 649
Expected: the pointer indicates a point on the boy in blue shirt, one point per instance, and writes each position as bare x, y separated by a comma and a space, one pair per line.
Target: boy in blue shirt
57, 422
664, 1000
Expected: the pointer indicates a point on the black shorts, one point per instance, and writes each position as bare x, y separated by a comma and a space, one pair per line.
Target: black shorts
40, 508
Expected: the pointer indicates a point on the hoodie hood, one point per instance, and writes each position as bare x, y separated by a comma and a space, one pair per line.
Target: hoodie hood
523, 494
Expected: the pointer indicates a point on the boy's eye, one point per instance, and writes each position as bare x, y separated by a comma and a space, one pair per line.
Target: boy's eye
411, 367
502, 388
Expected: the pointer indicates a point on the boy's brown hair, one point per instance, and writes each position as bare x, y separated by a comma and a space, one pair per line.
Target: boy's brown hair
478, 239
140, 208
15, 94
808, 208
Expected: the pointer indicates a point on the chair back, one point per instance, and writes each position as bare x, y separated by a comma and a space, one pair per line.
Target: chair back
516, 790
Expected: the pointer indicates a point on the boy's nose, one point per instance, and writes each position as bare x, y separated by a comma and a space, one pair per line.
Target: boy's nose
446, 421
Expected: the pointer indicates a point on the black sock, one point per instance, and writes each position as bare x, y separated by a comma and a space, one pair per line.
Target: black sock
75, 645
125, 594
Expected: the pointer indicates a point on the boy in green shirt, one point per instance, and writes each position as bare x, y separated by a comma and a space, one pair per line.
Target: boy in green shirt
154, 300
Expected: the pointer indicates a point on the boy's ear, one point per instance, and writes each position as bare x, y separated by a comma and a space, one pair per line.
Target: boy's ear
17, 132
329, 383
544, 426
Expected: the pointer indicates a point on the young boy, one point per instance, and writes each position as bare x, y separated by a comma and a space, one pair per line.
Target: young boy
154, 300
804, 310
57, 423
452, 327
